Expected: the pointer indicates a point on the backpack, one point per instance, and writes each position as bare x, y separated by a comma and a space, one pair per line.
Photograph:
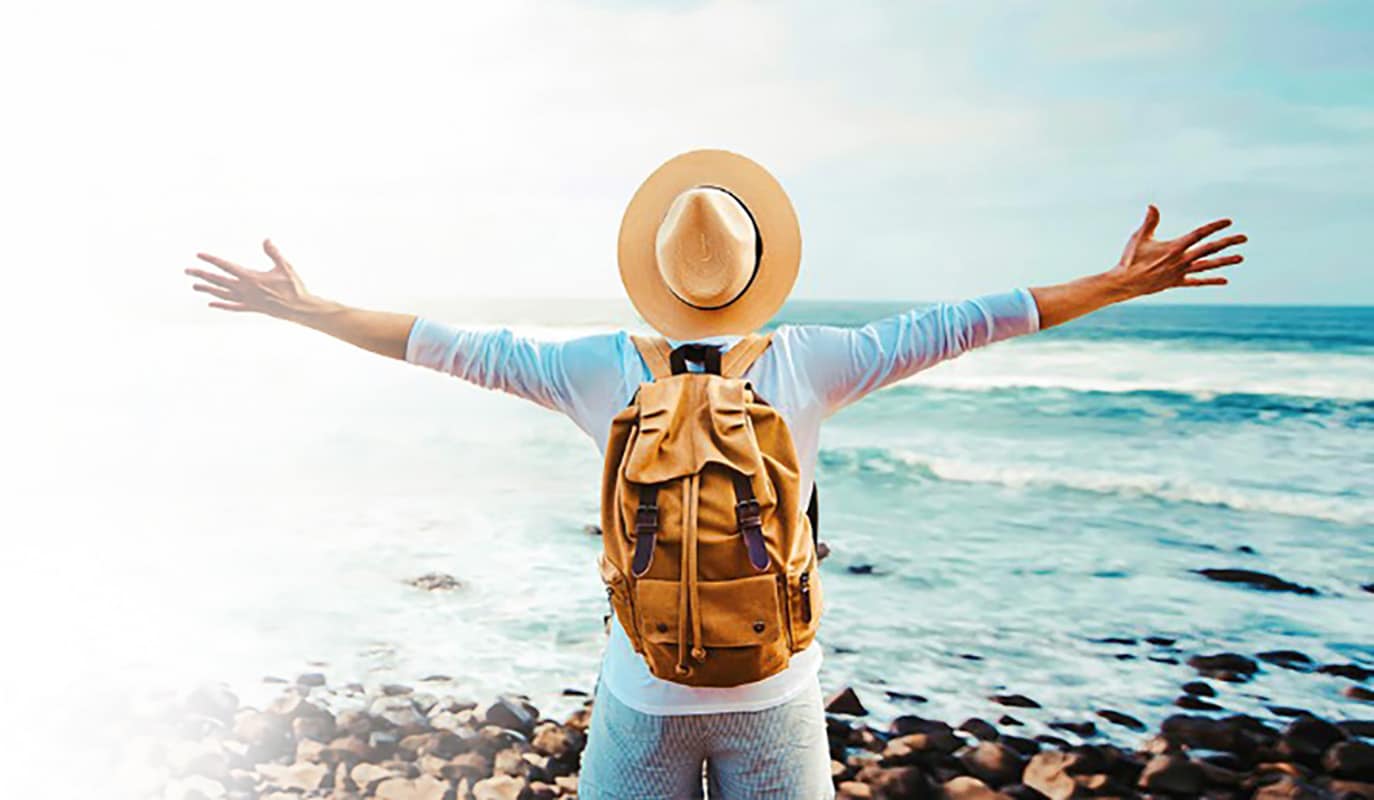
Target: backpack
708, 558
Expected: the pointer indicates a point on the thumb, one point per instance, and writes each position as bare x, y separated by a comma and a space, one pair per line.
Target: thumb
1147, 228
275, 254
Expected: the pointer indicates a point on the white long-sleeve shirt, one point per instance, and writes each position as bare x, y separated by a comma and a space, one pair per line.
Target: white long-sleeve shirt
808, 373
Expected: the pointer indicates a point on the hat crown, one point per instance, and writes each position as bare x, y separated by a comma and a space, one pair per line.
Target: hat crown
706, 247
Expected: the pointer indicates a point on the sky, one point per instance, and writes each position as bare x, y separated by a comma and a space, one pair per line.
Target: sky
405, 154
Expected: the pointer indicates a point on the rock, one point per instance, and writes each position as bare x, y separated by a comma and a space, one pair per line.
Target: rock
319, 728
1353, 760
1047, 773
822, 551
1255, 580
1195, 703
1307, 738
436, 582
1351, 789
908, 696
1161, 641
918, 748
1358, 693
310, 679
367, 776
1007, 719
1368, 587
356, 723
1020, 791
267, 736
195, 787
499, 787
860, 569
1357, 727
425, 787
846, 701
1014, 700
1022, 745
980, 729
512, 713
1172, 774
214, 701
1119, 718
1354, 672
304, 776
1199, 688
853, 790
396, 689
892, 783
399, 712
591, 530
966, 788
1224, 666
557, 741
992, 763
1289, 789
1288, 659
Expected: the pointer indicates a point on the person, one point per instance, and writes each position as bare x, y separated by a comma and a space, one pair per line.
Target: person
709, 248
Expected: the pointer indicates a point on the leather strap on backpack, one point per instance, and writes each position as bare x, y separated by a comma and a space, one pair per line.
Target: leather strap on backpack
738, 359
750, 521
655, 352
646, 529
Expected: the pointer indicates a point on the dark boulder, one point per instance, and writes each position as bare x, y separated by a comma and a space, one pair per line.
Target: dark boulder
1172, 774
1119, 718
1014, 700
846, 701
1353, 760
1256, 580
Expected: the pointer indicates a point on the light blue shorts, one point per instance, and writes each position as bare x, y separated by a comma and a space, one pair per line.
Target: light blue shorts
780, 752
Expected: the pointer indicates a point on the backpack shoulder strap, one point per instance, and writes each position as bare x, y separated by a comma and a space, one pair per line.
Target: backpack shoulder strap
738, 359
655, 351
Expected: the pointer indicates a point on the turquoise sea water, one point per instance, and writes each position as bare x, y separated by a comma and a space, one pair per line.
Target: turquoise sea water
253, 498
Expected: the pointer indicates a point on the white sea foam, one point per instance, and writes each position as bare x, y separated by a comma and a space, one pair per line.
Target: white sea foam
1343, 510
1151, 366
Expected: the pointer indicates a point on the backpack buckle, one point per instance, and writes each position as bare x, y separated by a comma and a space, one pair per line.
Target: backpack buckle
646, 520
748, 513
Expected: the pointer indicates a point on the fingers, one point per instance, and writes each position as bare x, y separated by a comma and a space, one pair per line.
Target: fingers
230, 306
214, 290
1213, 263
1147, 228
228, 266
275, 254
1212, 247
1198, 234
218, 280
1203, 282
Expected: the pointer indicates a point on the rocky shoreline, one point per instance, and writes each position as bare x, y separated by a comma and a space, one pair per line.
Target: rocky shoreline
424, 742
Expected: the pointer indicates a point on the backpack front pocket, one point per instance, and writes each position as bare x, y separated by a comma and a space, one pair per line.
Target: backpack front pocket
804, 601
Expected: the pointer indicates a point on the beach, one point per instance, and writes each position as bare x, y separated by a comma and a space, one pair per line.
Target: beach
1071, 518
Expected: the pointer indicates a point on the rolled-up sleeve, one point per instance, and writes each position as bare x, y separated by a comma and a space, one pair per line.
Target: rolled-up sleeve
844, 364
580, 377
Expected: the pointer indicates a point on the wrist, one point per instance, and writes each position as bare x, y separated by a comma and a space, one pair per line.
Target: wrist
311, 311
1114, 287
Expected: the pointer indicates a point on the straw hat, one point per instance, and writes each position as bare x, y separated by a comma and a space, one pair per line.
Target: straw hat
709, 245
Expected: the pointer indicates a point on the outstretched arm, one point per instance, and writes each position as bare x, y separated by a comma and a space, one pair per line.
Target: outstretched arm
845, 364
279, 292
1147, 266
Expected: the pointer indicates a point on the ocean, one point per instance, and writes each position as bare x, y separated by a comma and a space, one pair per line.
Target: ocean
228, 497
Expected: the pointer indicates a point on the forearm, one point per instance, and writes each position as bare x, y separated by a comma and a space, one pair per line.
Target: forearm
1060, 303
381, 332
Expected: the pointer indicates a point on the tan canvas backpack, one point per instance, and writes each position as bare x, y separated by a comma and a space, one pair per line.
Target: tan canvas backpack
708, 557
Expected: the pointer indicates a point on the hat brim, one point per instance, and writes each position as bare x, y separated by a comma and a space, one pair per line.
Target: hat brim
778, 230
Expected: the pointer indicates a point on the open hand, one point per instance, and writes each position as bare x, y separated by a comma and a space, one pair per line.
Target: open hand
278, 292
1149, 265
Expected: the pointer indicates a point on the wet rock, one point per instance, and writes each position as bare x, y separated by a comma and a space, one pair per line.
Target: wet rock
919, 748
1307, 738
822, 551
981, 729
1020, 791
1255, 580
891, 783
860, 569
1014, 700
1199, 688
1289, 789
907, 696
853, 790
512, 713
1172, 774
1161, 641
1351, 790
1007, 719
1357, 727
1288, 711
1195, 703
1368, 587
1049, 773
310, 680
1288, 659
1022, 745
846, 701
1122, 719
1057, 742
320, 728
1224, 666
557, 741
1358, 693
436, 582
591, 530
398, 712
1128, 640
992, 763
1354, 672
1353, 760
